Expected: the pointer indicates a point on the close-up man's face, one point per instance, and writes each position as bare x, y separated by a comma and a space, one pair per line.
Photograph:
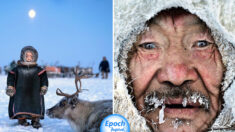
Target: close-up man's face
176, 71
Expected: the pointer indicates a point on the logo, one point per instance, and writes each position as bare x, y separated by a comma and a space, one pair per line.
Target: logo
114, 123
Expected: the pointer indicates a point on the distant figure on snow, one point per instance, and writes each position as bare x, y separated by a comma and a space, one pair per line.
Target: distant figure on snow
104, 68
26, 85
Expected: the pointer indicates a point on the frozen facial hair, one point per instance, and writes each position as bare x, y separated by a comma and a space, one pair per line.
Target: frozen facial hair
157, 99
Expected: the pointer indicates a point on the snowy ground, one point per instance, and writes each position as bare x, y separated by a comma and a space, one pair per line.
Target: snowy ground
98, 89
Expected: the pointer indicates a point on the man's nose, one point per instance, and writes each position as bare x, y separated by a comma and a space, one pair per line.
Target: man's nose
176, 74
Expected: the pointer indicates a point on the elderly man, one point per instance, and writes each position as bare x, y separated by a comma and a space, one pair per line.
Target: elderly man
173, 64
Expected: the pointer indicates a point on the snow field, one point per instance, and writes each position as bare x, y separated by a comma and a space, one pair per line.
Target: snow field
98, 89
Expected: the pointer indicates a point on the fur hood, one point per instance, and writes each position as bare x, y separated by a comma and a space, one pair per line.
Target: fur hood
130, 17
23, 57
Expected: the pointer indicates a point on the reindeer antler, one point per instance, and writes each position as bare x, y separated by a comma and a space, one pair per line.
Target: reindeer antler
77, 78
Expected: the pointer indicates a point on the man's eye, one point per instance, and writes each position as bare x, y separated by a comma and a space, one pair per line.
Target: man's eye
201, 43
148, 45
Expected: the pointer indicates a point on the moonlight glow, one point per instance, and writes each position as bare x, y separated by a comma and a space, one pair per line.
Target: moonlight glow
32, 13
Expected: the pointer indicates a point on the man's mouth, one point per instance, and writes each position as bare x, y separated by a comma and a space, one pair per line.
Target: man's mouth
180, 103
177, 106
182, 107
185, 108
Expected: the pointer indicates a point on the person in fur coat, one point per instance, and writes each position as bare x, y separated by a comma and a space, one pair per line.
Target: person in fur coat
104, 68
26, 85
174, 64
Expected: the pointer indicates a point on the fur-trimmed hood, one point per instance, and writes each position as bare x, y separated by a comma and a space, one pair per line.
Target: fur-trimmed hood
130, 17
23, 55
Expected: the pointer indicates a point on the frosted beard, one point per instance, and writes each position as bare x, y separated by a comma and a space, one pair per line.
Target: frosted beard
161, 99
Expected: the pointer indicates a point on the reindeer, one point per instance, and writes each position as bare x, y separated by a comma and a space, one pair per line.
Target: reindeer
82, 115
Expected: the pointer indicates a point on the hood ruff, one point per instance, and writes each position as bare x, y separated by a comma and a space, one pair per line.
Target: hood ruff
129, 20
23, 56
28, 63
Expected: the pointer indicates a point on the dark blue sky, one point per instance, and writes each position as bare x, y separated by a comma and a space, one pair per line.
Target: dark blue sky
64, 31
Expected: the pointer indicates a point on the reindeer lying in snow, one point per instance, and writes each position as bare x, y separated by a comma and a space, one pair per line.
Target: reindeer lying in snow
82, 115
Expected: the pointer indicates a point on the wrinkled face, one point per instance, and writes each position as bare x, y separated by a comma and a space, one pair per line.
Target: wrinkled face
176, 71
58, 111
29, 56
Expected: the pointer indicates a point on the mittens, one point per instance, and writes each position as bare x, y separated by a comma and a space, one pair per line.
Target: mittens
43, 90
10, 91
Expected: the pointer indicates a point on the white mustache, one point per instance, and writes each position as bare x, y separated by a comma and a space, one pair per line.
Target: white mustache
155, 99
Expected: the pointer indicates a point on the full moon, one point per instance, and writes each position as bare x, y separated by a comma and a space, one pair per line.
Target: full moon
32, 13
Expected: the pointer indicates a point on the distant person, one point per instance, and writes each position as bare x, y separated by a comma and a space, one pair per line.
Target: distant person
26, 85
104, 68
